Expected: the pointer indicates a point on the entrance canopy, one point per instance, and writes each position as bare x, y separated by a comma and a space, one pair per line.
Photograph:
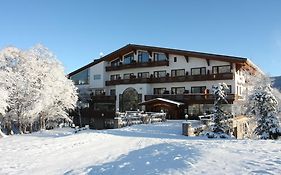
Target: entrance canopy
161, 100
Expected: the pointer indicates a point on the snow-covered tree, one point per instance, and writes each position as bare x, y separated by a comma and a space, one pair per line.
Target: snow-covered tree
37, 86
3, 100
60, 94
220, 127
263, 106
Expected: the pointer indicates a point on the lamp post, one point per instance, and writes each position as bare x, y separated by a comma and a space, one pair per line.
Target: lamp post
186, 117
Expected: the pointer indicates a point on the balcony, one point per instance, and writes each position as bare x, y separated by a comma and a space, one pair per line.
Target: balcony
191, 98
137, 64
169, 79
104, 98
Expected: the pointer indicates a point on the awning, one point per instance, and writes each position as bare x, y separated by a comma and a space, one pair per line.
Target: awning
161, 100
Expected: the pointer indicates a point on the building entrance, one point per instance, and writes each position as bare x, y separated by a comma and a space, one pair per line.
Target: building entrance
129, 100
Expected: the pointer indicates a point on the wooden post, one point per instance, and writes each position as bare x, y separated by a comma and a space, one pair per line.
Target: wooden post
187, 129
117, 123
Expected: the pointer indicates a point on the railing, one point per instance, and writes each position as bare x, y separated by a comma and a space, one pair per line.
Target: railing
138, 64
136, 117
191, 98
167, 79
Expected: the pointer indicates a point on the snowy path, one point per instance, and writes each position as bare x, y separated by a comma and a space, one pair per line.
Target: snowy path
142, 149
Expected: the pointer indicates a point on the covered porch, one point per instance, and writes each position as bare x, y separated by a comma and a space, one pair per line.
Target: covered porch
173, 109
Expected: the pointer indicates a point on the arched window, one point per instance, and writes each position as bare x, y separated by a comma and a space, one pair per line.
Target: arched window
129, 100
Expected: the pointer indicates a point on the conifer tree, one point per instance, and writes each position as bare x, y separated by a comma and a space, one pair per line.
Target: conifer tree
263, 106
220, 126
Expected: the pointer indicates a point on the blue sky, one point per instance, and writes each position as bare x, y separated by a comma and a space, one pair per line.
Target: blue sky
77, 31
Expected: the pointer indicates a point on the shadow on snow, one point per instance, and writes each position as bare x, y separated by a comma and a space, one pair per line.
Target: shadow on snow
155, 159
163, 130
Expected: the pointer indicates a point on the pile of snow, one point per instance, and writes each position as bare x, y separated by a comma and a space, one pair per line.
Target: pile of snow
2, 134
157, 148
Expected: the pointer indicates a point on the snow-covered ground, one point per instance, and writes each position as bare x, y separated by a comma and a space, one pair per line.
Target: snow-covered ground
157, 148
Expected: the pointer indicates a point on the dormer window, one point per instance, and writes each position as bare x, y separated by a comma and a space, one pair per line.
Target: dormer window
159, 57
143, 57
128, 59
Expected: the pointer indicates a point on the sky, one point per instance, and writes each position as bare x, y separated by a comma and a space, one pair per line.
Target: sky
78, 31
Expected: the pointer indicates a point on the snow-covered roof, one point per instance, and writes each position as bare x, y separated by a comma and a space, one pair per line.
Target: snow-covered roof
164, 100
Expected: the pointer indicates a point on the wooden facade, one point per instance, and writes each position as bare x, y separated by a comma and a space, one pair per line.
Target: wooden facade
169, 79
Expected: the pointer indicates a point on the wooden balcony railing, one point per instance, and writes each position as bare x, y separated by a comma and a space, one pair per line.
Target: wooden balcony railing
191, 98
138, 64
168, 79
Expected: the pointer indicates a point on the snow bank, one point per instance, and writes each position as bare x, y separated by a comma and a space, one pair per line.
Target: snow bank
2, 134
157, 148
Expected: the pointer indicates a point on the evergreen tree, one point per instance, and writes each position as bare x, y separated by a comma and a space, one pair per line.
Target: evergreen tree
220, 126
263, 105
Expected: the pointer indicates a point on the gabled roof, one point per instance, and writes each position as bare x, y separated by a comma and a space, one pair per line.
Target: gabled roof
133, 47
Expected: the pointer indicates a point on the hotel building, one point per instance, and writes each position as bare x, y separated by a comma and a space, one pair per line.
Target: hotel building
179, 82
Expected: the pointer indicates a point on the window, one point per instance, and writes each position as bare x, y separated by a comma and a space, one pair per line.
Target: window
143, 57
199, 109
112, 92
128, 59
99, 92
221, 69
177, 90
115, 77
115, 62
128, 75
81, 77
175, 59
143, 75
198, 71
178, 72
159, 57
159, 90
198, 89
97, 77
158, 74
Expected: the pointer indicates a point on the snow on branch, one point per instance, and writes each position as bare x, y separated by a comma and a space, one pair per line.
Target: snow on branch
34, 86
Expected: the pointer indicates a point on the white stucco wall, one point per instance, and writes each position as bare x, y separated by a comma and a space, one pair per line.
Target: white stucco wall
98, 69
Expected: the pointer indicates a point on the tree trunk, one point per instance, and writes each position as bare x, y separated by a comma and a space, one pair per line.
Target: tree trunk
9, 128
24, 128
42, 122
30, 128
19, 125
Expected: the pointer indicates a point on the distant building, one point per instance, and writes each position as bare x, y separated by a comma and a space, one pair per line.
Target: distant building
179, 82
